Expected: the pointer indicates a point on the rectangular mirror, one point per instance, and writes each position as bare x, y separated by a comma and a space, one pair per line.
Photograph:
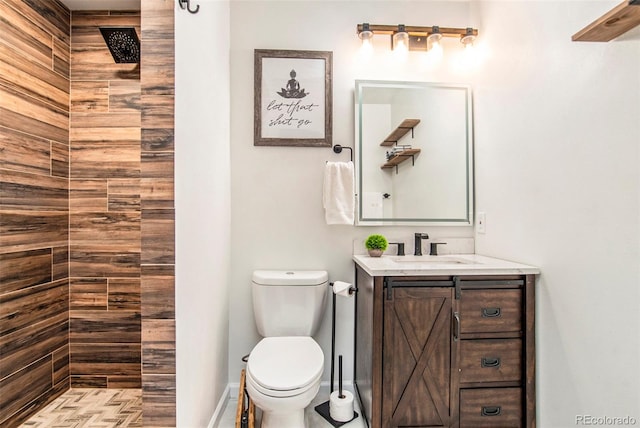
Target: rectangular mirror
414, 153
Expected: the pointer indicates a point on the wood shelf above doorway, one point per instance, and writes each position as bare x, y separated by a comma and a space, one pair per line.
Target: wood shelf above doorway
612, 24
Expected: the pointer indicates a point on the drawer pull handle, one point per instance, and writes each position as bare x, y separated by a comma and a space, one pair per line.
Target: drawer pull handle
491, 410
490, 362
456, 326
490, 312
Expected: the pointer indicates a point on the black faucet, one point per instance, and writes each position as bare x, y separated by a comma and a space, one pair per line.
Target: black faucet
434, 247
400, 247
418, 237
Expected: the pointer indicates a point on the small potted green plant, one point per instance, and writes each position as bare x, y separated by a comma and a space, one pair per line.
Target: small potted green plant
376, 244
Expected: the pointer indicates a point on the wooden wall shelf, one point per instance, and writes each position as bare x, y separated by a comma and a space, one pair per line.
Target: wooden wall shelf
400, 157
406, 126
612, 24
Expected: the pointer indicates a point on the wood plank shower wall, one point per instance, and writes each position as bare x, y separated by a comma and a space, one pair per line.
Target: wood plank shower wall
158, 215
104, 208
34, 217
97, 192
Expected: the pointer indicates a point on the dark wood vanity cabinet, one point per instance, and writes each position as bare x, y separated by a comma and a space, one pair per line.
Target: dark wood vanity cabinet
445, 351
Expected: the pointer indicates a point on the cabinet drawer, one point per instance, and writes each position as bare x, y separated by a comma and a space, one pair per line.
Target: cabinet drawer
491, 408
490, 311
490, 360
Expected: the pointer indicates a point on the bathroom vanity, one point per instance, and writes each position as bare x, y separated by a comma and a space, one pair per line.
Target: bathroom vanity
445, 341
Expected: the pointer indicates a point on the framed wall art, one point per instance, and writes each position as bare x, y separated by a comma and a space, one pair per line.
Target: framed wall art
293, 98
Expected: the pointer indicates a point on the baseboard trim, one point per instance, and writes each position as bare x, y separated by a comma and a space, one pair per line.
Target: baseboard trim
234, 388
222, 404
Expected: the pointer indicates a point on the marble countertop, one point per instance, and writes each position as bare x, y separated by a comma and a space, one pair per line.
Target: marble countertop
451, 264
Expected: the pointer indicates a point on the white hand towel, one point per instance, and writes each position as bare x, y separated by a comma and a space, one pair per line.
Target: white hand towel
338, 192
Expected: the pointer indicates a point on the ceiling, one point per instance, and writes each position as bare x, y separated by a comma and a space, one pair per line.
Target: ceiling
102, 4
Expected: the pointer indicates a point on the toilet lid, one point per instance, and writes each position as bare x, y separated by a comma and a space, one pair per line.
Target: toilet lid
285, 363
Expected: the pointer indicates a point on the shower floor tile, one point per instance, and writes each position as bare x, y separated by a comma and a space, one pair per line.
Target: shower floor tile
91, 408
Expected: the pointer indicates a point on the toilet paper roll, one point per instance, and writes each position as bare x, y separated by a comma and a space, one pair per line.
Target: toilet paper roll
341, 288
341, 409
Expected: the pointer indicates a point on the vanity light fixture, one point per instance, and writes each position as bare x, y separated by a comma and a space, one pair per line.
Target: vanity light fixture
400, 39
434, 47
366, 34
433, 39
468, 38
413, 37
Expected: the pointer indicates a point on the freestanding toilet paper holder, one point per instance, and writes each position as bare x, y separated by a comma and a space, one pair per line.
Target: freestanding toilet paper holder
323, 409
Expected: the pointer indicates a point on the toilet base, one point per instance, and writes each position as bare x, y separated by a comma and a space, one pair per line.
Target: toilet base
282, 412
291, 419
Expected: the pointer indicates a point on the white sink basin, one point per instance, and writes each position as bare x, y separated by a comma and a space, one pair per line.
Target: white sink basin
440, 260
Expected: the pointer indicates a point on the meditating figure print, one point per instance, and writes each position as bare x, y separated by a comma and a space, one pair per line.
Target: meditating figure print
293, 89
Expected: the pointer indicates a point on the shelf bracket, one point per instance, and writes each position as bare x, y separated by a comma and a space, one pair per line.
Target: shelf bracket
413, 161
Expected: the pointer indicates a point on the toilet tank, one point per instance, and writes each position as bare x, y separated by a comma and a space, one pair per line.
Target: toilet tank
288, 303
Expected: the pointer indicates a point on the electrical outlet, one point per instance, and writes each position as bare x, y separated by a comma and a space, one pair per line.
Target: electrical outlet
481, 223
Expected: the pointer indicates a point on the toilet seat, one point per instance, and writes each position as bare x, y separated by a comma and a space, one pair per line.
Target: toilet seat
285, 366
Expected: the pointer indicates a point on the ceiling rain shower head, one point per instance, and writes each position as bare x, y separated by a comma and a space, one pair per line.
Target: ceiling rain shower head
123, 44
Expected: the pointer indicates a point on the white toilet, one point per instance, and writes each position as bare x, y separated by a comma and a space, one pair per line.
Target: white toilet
284, 369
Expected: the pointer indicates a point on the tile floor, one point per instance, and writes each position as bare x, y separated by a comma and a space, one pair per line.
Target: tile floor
120, 408
91, 408
312, 418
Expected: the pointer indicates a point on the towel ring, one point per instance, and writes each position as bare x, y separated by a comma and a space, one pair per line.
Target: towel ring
338, 149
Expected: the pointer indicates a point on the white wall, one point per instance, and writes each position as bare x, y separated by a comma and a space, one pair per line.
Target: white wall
557, 136
202, 210
557, 172
277, 215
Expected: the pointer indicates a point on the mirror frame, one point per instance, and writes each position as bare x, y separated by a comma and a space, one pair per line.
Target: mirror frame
467, 220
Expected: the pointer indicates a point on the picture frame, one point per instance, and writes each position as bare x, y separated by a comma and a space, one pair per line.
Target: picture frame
293, 98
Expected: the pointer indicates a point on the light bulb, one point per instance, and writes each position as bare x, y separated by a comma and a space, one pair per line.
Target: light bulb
366, 50
366, 35
467, 39
433, 41
401, 46
401, 40
434, 46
